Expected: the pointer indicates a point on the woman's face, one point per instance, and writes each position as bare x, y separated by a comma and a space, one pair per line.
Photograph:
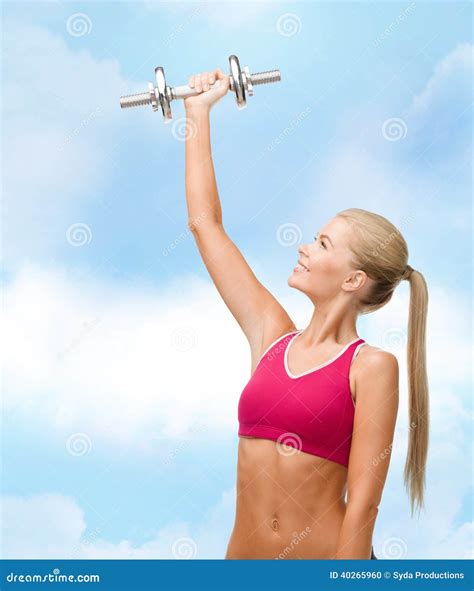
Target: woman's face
326, 268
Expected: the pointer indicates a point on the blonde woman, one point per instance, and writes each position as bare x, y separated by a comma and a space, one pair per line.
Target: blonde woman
317, 417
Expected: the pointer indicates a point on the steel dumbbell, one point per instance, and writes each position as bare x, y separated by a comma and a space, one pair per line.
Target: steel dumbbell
161, 95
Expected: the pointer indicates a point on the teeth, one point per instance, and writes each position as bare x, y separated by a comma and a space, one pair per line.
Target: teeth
301, 268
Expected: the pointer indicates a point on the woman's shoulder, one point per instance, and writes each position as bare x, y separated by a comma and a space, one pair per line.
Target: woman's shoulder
374, 359
374, 369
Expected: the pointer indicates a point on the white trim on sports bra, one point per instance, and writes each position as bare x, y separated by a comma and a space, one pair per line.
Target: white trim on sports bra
356, 351
272, 345
294, 377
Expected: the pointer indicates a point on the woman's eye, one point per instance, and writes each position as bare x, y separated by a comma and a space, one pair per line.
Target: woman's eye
322, 242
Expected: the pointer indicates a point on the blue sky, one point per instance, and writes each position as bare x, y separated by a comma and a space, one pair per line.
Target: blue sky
119, 431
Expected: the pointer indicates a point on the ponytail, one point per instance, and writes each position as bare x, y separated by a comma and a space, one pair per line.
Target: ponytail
418, 399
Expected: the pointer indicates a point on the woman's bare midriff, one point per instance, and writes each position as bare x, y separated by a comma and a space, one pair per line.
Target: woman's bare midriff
290, 504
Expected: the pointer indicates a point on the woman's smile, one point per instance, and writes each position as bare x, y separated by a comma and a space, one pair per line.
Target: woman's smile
301, 268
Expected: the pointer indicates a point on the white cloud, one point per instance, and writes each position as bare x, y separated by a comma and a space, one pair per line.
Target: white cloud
40, 526
121, 363
452, 72
459, 544
52, 525
439, 118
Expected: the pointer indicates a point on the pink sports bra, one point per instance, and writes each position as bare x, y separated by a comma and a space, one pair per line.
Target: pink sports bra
312, 411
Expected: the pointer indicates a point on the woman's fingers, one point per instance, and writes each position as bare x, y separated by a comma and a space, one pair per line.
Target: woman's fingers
201, 81
198, 83
205, 80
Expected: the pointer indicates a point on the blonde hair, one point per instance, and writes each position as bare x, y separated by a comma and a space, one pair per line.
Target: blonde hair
380, 250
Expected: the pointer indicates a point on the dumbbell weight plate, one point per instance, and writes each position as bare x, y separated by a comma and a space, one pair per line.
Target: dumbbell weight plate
237, 82
163, 96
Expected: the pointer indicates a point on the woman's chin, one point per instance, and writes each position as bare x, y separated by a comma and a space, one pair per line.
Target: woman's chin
293, 278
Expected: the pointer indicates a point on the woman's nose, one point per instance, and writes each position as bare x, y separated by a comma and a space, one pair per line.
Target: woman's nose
301, 249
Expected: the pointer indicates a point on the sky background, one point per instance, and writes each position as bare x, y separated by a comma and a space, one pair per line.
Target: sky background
122, 366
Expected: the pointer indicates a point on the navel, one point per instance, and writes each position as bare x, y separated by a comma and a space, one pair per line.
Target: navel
274, 524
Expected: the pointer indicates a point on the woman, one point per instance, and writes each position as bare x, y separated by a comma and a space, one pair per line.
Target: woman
317, 418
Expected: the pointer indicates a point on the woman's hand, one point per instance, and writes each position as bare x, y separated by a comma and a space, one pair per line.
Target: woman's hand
208, 96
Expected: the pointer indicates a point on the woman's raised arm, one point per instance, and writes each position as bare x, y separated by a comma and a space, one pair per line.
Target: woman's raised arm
256, 310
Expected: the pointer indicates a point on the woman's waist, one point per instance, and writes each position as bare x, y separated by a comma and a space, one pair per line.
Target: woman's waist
280, 534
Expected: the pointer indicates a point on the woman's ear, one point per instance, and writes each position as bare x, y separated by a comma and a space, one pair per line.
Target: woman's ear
355, 280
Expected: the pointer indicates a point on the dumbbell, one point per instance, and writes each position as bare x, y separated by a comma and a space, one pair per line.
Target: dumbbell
161, 95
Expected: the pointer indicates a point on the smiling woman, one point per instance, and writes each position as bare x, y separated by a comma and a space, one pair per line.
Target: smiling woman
317, 416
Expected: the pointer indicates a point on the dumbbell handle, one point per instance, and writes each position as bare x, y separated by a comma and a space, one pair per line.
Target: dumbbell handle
181, 92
